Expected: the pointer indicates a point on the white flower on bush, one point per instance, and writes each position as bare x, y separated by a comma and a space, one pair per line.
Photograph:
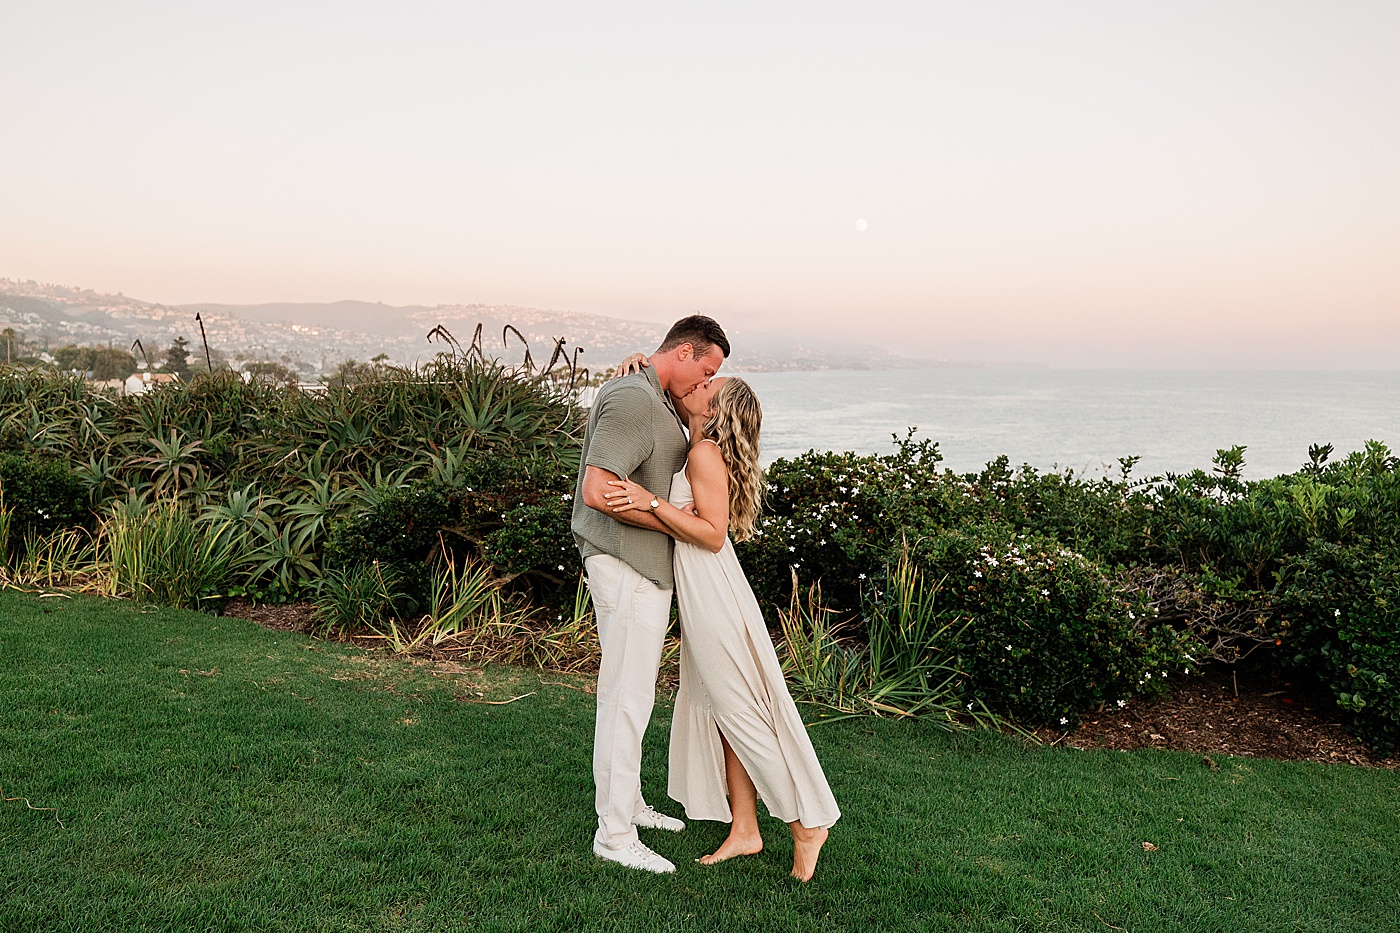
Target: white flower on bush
862, 576
1336, 613
1122, 703
1064, 721
1044, 592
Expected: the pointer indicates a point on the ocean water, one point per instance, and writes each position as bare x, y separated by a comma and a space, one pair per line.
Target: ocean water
1082, 419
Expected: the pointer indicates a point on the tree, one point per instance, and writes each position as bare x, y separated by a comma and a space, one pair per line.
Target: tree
271, 373
111, 363
14, 344
177, 358
73, 359
349, 373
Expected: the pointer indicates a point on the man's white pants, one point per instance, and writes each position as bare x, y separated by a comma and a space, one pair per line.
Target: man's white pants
632, 614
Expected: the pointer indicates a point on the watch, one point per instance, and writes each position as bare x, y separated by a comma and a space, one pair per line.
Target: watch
655, 504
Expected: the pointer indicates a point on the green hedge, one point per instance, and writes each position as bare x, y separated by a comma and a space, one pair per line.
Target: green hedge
1341, 605
42, 496
480, 459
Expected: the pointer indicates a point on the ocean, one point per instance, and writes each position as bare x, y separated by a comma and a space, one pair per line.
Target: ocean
1082, 419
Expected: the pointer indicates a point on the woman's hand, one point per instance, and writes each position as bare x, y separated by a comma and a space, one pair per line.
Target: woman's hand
633, 364
627, 496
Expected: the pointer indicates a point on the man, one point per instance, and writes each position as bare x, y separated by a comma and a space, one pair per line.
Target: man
634, 431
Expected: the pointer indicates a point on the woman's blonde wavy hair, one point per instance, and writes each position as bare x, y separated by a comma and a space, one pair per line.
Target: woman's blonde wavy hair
734, 426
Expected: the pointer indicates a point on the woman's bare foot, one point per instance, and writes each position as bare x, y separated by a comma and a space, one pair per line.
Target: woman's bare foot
735, 845
806, 846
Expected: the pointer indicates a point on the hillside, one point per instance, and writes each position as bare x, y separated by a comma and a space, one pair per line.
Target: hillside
314, 337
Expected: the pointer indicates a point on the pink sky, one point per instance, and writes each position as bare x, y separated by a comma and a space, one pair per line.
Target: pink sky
1071, 183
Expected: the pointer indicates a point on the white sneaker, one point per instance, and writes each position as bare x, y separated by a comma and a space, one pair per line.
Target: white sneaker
650, 818
636, 855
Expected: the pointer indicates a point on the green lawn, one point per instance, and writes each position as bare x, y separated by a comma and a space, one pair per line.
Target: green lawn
212, 775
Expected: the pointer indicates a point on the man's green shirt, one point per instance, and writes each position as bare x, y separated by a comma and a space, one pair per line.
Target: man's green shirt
634, 432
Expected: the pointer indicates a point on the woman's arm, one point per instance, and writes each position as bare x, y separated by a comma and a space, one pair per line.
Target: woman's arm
708, 525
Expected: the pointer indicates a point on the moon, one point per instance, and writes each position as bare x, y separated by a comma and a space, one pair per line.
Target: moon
861, 225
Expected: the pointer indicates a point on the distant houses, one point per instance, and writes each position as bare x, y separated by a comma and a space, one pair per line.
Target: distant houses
138, 383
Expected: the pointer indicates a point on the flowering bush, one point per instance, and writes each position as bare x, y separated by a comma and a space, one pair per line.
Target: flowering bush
1049, 633
535, 541
837, 519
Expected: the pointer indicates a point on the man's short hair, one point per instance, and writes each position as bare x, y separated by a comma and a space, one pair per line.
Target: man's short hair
699, 331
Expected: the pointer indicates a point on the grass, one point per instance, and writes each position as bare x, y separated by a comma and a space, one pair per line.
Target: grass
211, 775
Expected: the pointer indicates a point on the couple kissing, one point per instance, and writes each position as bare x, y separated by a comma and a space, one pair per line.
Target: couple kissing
669, 477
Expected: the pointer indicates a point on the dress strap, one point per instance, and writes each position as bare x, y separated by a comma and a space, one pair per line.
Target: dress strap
706, 440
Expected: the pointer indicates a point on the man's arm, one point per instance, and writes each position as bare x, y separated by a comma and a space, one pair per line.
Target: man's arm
595, 484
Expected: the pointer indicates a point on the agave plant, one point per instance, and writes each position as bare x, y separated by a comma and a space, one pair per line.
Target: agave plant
277, 557
173, 464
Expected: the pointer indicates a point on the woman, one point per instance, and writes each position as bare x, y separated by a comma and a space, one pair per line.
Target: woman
735, 723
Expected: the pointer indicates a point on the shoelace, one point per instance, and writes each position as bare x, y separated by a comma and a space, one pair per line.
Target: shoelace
640, 849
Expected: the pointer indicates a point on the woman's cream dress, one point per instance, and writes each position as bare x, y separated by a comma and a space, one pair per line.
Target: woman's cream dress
731, 682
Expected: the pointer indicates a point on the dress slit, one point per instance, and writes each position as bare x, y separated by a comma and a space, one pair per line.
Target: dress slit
732, 688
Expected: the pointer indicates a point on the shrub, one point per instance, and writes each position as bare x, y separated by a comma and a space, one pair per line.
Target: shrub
1049, 634
1341, 608
399, 532
836, 519
536, 540
42, 495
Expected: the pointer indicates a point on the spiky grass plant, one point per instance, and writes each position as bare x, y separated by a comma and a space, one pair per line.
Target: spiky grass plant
164, 555
5, 526
460, 599
65, 558
906, 666
355, 599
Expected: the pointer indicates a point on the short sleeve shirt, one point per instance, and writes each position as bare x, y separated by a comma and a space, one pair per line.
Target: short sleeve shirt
634, 432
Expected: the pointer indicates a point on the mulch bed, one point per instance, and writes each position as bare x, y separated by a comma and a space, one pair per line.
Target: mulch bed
291, 617
1257, 714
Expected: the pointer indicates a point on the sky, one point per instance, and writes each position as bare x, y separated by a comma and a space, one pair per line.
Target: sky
1156, 184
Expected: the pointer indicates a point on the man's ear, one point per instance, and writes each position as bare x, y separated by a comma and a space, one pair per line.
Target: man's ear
684, 352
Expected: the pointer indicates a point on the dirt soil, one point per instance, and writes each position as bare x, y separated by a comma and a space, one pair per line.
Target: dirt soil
1258, 714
